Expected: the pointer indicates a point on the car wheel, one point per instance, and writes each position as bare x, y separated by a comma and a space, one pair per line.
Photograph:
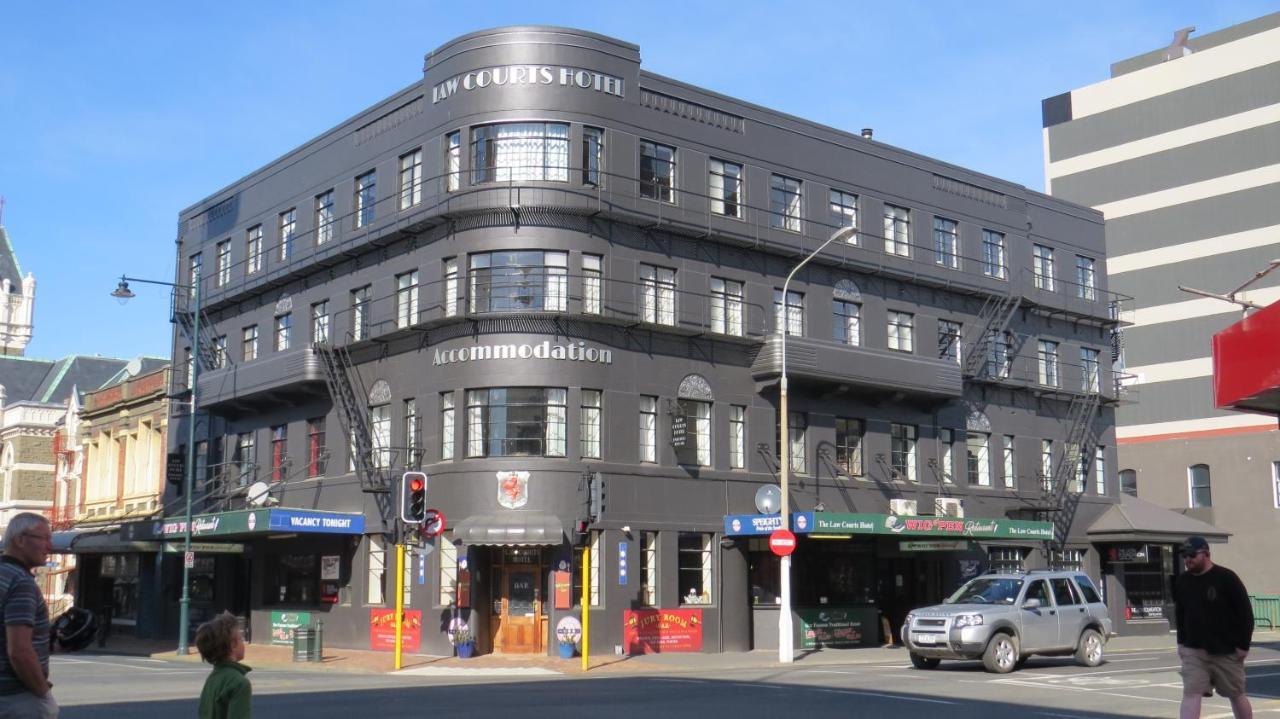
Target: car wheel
1001, 655
1089, 651
920, 662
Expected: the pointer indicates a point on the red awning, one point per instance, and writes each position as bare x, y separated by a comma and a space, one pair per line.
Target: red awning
1246, 363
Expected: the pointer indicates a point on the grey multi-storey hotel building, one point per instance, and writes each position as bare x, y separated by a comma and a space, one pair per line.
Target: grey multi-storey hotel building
554, 283
1180, 150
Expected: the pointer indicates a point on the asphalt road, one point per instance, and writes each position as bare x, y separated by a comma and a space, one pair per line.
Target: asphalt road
1130, 684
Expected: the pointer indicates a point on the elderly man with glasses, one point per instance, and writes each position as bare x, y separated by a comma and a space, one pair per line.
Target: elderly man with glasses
25, 689
1215, 628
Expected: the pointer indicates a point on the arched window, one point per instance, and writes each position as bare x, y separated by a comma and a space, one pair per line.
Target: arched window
1129, 482
1201, 493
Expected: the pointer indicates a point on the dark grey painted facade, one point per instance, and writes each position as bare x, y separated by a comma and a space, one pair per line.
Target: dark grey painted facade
441, 349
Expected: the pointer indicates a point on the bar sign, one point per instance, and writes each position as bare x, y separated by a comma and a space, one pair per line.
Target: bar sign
622, 563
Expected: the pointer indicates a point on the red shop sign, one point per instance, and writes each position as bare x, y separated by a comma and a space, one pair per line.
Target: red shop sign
646, 631
382, 630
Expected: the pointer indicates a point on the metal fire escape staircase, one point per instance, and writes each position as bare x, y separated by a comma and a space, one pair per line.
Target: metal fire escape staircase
181, 314
343, 382
1060, 500
993, 321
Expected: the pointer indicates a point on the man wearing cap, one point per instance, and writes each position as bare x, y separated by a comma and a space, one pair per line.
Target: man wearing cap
1215, 627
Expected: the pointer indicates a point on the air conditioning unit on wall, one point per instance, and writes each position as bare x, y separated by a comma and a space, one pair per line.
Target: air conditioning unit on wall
948, 507
906, 507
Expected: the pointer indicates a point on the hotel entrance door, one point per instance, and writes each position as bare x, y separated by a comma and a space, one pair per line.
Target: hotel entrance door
518, 622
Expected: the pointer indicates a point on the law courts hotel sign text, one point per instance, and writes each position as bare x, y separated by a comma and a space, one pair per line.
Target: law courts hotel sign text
515, 75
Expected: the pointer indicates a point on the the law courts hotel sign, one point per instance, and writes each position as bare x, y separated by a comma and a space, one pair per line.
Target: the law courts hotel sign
571, 352
515, 75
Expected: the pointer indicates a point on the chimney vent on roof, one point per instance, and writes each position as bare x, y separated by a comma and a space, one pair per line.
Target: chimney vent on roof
866, 133
1178, 48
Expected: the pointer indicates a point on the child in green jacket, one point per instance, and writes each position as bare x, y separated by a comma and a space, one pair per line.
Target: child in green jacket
227, 691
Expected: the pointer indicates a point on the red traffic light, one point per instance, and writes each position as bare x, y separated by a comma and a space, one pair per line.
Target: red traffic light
416, 484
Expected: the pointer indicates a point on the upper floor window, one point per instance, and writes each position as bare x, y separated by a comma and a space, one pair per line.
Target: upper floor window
784, 203
519, 281
657, 171
788, 316
193, 273
648, 428
847, 322
590, 423
737, 436
284, 330
977, 448
253, 251
220, 351
849, 446
592, 281
844, 211
726, 306
949, 340
325, 218
1100, 470
697, 448
316, 453
897, 230
1201, 491
1000, 353
1086, 289
452, 161
726, 188
658, 294
1042, 267
902, 331
993, 255
1048, 363
797, 440
448, 426
360, 299
410, 179
902, 451
320, 322
407, 299
224, 263
249, 343
288, 227
946, 243
279, 449
1129, 482
516, 422
520, 152
366, 197
450, 286
592, 155
1091, 378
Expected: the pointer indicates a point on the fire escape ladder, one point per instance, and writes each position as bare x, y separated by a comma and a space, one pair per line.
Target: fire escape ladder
353, 414
182, 315
1081, 440
994, 319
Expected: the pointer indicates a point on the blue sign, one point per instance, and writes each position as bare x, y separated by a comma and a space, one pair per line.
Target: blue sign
622, 563
295, 520
740, 525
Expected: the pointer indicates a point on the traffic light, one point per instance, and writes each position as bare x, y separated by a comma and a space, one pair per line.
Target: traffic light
580, 532
596, 495
413, 498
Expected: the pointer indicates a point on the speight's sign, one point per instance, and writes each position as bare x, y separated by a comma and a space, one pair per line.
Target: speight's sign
571, 352
528, 75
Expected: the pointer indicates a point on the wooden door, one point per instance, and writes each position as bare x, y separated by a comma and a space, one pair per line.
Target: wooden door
519, 624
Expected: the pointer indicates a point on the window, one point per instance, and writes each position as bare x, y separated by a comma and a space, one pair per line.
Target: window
324, 217
516, 422
519, 281
1004, 560
410, 179
245, 458
726, 306
1042, 267
249, 343
253, 249
946, 243
797, 431
1009, 463
901, 331
1091, 379
1063, 592
697, 448
658, 294
1066, 560
784, 203
316, 453
1046, 465
789, 318
592, 278
220, 351
447, 426
412, 434
1275, 483
1201, 491
377, 565
360, 312
993, 262
1100, 471
657, 171
694, 550
897, 230
452, 161
224, 263
946, 438
849, 446
193, 273
1048, 363
320, 322
1129, 482
844, 211
520, 151
366, 198
284, 327
649, 569
847, 326
726, 188
1086, 289
380, 431
288, 224
1000, 354
592, 155
448, 570
279, 449
738, 437
949, 340
451, 287
1082, 467
902, 451
648, 429
590, 427
407, 299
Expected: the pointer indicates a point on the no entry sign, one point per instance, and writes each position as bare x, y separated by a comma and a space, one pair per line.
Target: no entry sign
782, 542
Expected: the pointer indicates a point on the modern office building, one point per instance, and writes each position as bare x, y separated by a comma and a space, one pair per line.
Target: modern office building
557, 283
1180, 151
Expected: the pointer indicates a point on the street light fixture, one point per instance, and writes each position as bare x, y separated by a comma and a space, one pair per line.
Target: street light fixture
124, 294
786, 644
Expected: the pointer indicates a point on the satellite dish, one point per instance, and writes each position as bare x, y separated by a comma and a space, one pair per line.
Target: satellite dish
259, 493
768, 499
134, 368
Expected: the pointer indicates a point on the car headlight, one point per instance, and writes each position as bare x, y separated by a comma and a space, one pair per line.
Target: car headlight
907, 622
968, 620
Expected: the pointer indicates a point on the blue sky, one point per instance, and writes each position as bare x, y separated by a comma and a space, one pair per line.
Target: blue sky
115, 116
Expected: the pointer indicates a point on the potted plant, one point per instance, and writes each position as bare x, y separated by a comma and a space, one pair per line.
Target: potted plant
568, 648
464, 642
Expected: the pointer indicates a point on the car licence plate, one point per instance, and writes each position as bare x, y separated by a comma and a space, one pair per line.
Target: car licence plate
925, 638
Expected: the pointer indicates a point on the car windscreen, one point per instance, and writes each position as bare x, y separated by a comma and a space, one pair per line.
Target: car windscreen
988, 590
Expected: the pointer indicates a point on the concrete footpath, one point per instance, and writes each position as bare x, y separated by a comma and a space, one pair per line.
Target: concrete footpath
267, 656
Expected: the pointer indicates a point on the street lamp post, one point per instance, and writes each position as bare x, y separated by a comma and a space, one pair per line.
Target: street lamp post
786, 646
123, 293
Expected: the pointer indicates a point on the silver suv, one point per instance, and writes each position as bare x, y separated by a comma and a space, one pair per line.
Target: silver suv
1005, 618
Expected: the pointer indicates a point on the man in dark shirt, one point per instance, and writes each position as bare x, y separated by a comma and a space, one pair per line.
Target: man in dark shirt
24, 659
1215, 628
